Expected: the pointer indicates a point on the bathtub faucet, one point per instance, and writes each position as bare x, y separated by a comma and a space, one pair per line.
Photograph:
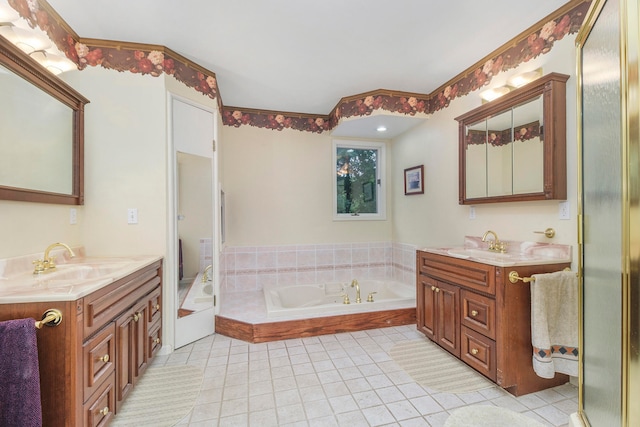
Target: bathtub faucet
354, 283
205, 276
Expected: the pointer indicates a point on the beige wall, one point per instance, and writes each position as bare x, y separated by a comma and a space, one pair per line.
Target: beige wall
278, 191
436, 218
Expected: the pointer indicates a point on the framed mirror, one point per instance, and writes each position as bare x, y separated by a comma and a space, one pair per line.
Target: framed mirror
514, 148
42, 138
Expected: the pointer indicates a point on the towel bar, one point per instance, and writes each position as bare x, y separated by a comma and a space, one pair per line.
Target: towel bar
51, 317
514, 277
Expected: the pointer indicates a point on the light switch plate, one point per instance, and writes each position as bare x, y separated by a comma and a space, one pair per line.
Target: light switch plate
73, 216
472, 212
564, 211
132, 216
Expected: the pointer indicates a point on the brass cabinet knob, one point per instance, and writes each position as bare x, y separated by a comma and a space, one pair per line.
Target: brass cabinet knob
433, 288
474, 351
474, 313
157, 306
105, 410
136, 317
157, 341
105, 358
437, 290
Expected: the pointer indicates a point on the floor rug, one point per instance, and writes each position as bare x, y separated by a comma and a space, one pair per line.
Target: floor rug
163, 396
488, 416
435, 368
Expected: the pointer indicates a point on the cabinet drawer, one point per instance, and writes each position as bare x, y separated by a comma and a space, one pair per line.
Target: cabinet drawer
104, 305
478, 313
470, 274
99, 410
154, 339
98, 355
155, 305
479, 352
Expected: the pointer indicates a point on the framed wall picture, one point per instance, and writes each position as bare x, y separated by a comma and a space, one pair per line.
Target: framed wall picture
414, 180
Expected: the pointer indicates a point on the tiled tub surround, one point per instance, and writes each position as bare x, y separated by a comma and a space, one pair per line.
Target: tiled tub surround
246, 269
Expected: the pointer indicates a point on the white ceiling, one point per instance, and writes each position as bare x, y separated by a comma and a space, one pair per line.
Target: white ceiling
302, 55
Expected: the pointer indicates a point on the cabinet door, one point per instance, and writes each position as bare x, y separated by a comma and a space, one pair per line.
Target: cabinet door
131, 359
427, 306
448, 323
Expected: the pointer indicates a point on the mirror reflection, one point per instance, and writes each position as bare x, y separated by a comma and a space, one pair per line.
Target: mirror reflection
36, 140
195, 231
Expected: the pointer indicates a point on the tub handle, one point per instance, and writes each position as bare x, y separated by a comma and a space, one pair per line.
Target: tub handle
345, 299
370, 297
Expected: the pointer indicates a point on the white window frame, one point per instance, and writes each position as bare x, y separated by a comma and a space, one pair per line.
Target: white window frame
381, 194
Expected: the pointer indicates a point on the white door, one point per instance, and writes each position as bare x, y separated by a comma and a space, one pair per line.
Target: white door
195, 255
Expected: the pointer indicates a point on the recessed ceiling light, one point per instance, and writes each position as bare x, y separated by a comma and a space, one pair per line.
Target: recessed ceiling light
381, 128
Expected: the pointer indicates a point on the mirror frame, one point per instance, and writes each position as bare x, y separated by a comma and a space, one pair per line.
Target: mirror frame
29, 69
552, 87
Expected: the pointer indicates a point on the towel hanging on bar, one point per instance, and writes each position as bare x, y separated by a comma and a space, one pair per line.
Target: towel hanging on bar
20, 385
554, 323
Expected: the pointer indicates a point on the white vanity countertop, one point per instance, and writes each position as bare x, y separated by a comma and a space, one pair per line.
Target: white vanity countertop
518, 253
72, 279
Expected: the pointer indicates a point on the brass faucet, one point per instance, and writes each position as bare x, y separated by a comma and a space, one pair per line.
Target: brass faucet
48, 263
354, 283
205, 276
495, 245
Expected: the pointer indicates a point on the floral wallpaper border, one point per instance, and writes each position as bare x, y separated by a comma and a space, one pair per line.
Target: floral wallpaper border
503, 137
156, 60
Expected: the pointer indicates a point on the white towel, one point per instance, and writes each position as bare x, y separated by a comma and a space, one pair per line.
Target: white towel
554, 323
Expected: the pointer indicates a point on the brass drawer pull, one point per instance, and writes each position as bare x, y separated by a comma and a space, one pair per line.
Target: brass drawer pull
157, 341
105, 358
474, 351
157, 306
136, 317
474, 313
105, 410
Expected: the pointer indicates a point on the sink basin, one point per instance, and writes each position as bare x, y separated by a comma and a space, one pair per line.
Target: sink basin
494, 257
72, 272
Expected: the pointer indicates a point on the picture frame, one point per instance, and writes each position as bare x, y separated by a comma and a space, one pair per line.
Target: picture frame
414, 180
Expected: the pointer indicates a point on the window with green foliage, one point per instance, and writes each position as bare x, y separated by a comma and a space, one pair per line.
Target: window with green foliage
358, 189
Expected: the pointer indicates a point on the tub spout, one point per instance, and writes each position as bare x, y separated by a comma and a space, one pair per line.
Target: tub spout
354, 283
205, 274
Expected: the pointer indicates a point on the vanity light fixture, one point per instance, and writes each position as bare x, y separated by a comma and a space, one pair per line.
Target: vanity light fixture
381, 128
524, 78
28, 41
494, 93
8, 14
54, 63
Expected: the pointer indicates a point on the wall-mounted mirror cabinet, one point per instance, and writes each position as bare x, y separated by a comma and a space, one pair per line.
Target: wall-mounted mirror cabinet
42, 133
514, 148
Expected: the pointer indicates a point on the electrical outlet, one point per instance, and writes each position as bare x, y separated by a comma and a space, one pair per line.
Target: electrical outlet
73, 216
472, 212
132, 216
564, 212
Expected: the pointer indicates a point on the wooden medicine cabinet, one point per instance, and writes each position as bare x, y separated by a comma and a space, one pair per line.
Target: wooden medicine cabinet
514, 148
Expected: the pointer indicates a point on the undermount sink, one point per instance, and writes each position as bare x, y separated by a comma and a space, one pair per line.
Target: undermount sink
69, 272
484, 254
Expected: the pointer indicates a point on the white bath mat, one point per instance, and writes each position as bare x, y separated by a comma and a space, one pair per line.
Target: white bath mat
163, 396
435, 368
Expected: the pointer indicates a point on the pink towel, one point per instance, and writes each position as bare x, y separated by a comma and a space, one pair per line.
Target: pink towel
19, 375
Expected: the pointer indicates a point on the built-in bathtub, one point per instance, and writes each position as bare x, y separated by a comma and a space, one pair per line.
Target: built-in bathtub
327, 299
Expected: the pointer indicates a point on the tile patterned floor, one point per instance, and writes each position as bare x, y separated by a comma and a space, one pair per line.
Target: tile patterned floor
344, 379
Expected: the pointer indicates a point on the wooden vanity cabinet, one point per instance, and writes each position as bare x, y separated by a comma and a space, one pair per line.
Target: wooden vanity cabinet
473, 311
98, 349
